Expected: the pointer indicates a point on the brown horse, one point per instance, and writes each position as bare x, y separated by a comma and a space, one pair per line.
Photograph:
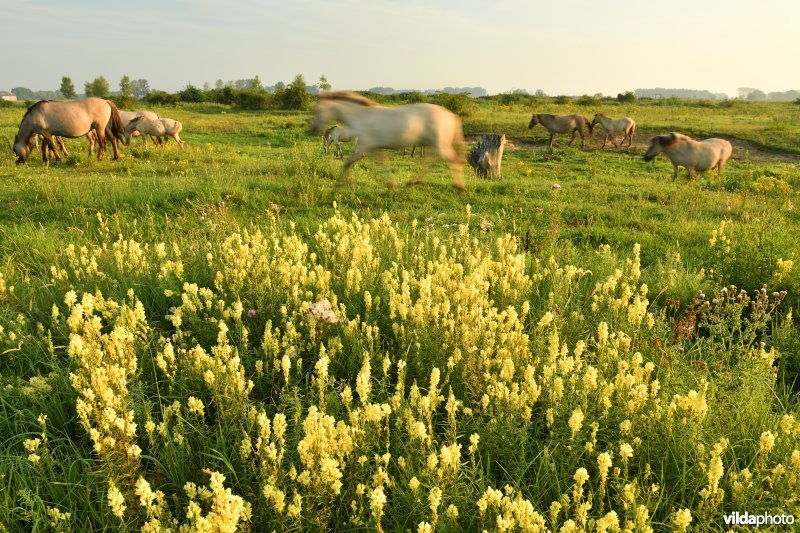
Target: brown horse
562, 124
68, 119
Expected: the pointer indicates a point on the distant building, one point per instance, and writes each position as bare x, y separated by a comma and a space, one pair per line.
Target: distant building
7, 96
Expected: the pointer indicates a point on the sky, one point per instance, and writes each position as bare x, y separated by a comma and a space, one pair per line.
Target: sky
562, 47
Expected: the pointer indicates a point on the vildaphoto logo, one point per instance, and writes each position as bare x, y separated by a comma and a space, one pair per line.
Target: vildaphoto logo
758, 520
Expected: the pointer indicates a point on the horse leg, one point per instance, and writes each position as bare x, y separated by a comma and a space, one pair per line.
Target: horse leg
572, 139
60, 140
552, 136
179, 141
451, 157
49, 144
675, 172
355, 156
101, 142
581, 132
114, 146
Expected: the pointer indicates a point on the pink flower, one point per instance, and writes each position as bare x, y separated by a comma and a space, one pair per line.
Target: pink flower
251, 313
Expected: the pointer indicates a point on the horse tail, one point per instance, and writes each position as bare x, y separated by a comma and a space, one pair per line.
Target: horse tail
116, 122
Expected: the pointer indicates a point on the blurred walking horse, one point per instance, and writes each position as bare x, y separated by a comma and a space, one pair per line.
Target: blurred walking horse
376, 126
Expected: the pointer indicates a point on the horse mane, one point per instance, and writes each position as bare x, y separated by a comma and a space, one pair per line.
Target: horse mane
31, 108
348, 96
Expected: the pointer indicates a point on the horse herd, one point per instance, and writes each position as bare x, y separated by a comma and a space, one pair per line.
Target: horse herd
371, 126
367, 124
95, 118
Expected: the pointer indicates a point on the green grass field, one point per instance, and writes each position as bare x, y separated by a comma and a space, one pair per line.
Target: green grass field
563, 326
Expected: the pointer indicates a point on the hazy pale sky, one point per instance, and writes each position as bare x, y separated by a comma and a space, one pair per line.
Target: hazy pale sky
561, 46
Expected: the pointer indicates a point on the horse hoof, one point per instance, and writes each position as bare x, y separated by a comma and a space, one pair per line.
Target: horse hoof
460, 187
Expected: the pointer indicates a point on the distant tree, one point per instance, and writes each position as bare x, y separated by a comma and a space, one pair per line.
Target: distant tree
539, 93
206, 87
756, 94
99, 87
67, 88
220, 84
296, 95
256, 84
626, 97
23, 93
323, 84
125, 87
280, 86
743, 92
140, 88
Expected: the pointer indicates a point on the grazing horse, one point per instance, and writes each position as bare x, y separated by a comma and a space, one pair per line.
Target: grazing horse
690, 154
162, 128
338, 135
562, 124
377, 126
68, 119
615, 126
127, 116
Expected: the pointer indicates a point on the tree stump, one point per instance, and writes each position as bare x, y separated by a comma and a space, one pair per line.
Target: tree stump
487, 156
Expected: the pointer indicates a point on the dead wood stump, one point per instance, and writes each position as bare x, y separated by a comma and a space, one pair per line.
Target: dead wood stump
487, 156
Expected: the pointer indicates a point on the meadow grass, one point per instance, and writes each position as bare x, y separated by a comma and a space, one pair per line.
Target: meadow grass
156, 310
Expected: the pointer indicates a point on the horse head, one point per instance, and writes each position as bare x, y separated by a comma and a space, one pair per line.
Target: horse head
657, 145
21, 148
324, 113
534, 121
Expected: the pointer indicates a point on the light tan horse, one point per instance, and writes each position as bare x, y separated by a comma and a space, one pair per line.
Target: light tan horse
562, 124
624, 126
127, 116
162, 128
377, 126
337, 135
692, 155
68, 119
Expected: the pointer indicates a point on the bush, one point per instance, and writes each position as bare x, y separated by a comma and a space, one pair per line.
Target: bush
224, 95
562, 100
587, 100
191, 94
626, 97
161, 98
460, 104
124, 102
252, 99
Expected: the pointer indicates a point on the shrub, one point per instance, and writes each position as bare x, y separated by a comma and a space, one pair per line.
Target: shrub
252, 99
626, 97
224, 95
460, 104
161, 98
587, 100
562, 100
191, 94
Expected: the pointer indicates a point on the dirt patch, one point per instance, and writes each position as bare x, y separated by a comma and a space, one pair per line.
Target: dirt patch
641, 141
